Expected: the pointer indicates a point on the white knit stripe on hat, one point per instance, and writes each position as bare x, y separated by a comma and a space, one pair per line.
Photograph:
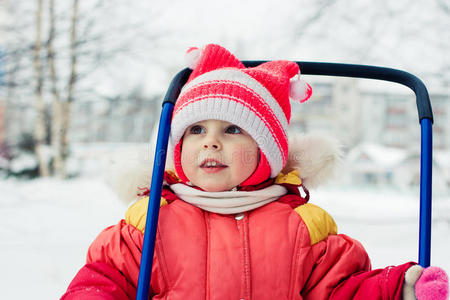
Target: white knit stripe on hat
237, 75
233, 111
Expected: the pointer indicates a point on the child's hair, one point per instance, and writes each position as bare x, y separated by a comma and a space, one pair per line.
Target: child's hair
255, 99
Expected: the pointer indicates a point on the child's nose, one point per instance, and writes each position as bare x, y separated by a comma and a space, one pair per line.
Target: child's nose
212, 143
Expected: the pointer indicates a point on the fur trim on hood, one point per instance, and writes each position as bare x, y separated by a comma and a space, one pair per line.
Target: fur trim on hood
316, 159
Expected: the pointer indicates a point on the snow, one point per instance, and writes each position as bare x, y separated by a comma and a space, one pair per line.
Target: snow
386, 222
48, 224
46, 228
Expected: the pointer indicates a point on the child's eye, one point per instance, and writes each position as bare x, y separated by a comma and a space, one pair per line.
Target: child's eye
196, 129
233, 129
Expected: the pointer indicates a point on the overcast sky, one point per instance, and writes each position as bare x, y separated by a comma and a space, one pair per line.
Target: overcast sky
406, 34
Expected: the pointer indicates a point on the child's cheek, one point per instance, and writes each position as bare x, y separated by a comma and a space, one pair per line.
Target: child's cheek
188, 157
245, 158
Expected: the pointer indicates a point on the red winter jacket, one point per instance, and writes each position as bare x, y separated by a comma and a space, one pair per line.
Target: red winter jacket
273, 252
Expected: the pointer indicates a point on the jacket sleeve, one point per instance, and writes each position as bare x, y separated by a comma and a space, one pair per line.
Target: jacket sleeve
99, 281
112, 267
342, 271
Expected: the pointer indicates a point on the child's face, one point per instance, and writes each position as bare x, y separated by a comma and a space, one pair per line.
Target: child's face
217, 155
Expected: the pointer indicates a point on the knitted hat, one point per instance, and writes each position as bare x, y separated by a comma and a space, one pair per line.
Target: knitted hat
255, 99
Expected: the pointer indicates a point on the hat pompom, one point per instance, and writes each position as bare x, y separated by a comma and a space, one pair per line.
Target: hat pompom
192, 57
300, 91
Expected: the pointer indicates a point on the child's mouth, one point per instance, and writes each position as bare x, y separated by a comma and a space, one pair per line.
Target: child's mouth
212, 166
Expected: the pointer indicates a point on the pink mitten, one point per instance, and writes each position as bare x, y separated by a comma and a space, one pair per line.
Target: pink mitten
425, 284
432, 284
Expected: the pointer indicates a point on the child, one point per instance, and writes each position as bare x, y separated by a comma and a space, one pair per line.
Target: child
233, 223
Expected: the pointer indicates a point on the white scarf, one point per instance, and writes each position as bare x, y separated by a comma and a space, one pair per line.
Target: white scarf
229, 202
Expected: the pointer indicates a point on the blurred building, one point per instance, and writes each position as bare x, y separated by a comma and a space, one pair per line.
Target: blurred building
383, 165
360, 111
378, 125
117, 119
2, 101
2, 122
373, 163
441, 127
334, 109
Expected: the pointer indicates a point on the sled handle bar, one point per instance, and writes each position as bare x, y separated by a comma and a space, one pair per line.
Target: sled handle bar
336, 69
307, 68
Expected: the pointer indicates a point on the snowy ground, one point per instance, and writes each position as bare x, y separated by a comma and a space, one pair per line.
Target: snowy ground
47, 225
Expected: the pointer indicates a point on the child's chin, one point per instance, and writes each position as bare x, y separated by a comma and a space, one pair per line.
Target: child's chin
215, 188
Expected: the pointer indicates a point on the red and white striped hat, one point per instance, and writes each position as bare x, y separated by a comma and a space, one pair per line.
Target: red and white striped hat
255, 99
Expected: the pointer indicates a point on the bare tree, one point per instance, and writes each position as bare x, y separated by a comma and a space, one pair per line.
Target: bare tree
61, 107
70, 45
56, 103
396, 33
40, 132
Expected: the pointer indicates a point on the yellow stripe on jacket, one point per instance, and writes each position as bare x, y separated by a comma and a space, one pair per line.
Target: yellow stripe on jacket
136, 214
320, 224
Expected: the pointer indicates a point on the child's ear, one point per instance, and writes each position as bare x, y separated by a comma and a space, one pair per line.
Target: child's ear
316, 158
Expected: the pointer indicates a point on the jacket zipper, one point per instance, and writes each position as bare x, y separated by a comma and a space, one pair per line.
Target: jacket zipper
242, 224
208, 254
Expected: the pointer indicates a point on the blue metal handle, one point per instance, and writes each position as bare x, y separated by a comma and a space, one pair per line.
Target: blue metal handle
426, 161
145, 270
